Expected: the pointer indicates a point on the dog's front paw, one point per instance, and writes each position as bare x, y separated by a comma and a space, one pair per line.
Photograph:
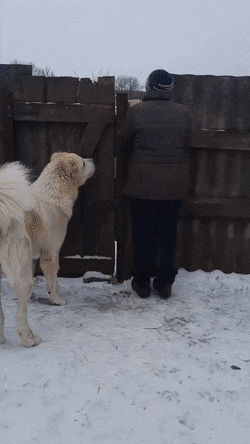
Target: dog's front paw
60, 301
30, 340
57, 300
2, 339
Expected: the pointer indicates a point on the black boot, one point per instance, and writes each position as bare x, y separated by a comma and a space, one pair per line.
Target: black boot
163, 290
142, 290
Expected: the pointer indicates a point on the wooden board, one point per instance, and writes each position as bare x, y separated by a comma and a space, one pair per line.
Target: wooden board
101, 92
52, 112
62, 89
91, 229
6, 128
27, 88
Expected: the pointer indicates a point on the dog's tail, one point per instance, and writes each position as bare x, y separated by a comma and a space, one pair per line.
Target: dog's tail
15, 195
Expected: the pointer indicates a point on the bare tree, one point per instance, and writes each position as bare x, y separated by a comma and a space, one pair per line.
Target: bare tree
100, 74
127, 83
36, 71
46, 72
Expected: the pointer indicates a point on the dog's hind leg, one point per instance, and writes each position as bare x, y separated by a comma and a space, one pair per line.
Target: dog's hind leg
17, 266
50, 267
24, 292
1, 311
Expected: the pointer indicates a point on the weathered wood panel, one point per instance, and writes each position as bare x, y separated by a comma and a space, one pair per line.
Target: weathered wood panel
26, 88
123, 227
51, 112
214, 231
101, 92
6, 128
10, 75
62, 89
89, 133
67, 114
31, 145
30, 89
77, 267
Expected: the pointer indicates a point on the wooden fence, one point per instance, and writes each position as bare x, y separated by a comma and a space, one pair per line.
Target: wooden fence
40, 116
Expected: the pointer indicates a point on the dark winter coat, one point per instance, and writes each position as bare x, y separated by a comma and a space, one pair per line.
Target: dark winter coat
157, 132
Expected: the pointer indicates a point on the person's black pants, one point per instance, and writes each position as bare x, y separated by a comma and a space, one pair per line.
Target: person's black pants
154, 226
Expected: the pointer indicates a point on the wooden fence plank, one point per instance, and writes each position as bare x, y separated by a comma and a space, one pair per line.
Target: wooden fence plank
107, 90
31, 145
6, 128
62, 89
91, 136
101, 92
51, 112
30, 89
77, 267
10, 75
123, 230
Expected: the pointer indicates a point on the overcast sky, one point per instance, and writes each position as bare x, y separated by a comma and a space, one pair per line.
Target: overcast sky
112, 37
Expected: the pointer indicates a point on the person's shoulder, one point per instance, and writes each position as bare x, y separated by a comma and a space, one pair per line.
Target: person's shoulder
180, 106
181, 109
135, 109
137, 105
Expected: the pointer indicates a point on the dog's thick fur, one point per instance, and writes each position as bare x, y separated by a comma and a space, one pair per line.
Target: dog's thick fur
33, 224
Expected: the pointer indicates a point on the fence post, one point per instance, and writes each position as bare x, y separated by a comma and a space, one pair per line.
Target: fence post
122, 104
122, 219
6, 128
9, 87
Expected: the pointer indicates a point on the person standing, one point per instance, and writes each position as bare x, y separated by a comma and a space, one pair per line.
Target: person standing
156, 139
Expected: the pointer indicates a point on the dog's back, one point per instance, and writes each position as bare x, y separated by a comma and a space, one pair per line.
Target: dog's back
15, 195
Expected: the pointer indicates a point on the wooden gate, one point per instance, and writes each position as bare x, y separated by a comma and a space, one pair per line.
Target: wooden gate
46, 115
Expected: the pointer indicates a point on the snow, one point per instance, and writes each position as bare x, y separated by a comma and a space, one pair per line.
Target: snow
114, 368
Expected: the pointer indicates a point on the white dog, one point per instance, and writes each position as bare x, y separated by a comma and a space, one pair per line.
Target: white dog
33, 224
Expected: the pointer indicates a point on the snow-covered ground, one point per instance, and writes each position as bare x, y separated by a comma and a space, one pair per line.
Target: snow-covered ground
113, 368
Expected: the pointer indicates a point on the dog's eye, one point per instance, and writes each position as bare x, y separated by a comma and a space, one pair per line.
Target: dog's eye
83, 163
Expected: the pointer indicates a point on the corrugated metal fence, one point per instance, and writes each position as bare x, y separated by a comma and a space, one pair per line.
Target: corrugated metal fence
214, 232
217, 103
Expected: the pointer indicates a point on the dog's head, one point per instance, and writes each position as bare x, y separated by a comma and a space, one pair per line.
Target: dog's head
72, 169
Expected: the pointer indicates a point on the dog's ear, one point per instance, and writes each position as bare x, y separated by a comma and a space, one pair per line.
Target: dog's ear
63, 167
68, 171
55, 156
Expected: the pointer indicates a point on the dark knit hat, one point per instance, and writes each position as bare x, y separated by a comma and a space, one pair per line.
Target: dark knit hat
160, 80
